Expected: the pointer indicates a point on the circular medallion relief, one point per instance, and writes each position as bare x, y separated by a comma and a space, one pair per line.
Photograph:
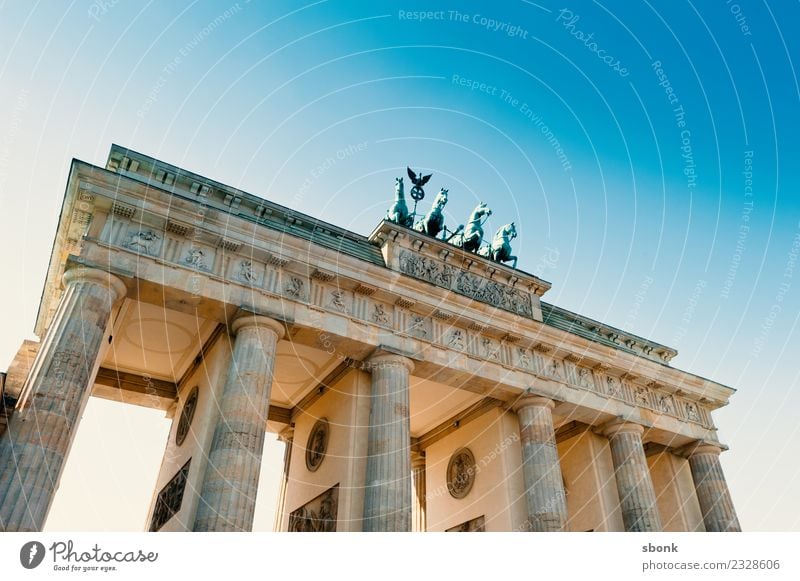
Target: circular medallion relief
187, 413
461, 473
317, 444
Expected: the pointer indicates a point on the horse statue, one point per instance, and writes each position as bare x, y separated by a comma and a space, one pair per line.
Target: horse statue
398, 212
472, 236
500, 248
433, 222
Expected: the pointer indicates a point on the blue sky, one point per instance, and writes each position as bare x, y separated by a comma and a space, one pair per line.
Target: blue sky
625, 176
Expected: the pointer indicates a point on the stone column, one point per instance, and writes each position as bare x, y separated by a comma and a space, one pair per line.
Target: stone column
418, 517
541, 471
40, 433
228, 497
712, 490
637, 496
287, 437
387, 494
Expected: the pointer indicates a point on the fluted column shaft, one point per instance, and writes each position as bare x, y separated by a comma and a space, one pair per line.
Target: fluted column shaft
228, 496
541, 470
419, 507
387, 494
287, 437
39, 436
637, 496
713, 495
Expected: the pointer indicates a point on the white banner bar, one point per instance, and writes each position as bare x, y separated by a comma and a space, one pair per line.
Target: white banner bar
356, 556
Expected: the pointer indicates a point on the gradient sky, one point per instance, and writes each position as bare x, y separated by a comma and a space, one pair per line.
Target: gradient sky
641, 219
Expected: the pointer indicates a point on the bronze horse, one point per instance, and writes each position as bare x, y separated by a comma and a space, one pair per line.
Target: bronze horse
398, 212
433, 222
472, 237
500, 248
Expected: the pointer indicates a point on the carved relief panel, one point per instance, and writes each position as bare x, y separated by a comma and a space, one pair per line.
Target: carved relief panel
246, 271
487, 291
642, 396
418, 326
338, 300
612, 387
553, 368
317, 444
475, 525
665, 404
198, 257
692, 412
294, 286
490, 349
461, 473
143, 240
187, 415
584, 378
456, 339
523, 358
381, 315
170, 498
318, 515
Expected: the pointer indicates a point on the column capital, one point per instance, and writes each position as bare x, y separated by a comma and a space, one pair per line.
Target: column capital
286, 435
96, 276
532, 400
247, 320
417, 460
702, 447
385, 359
619, 426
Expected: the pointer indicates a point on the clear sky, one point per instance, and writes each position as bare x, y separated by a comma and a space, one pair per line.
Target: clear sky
646, 151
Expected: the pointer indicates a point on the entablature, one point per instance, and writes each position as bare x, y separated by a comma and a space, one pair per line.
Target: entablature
379, 302
135, 224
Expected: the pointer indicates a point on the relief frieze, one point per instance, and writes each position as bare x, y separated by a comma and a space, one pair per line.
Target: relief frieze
465, 283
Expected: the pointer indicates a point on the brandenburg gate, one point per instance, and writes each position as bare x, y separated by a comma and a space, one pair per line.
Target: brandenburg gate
418, 379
